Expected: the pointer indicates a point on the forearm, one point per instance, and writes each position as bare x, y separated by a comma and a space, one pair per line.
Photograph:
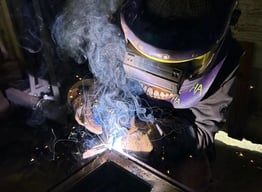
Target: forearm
211, 114
195, 127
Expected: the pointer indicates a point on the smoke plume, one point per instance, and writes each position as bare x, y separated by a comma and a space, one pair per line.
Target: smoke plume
84, 32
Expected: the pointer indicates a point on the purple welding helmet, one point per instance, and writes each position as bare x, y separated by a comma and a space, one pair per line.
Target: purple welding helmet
173, 44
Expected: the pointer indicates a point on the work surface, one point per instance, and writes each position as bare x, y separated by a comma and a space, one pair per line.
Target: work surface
27, 163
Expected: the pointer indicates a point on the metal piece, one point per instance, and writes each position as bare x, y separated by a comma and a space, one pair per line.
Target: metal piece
120, 169
94, 151
161, 133
47, 52
41, 87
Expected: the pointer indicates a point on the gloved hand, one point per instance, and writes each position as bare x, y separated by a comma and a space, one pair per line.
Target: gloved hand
84, 117
78, 99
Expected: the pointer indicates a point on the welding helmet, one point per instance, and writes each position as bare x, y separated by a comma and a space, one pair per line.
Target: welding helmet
177, 39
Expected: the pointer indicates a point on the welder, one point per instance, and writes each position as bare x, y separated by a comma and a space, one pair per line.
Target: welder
184, 56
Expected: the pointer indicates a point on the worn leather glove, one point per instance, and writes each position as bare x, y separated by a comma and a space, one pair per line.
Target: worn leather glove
78, 100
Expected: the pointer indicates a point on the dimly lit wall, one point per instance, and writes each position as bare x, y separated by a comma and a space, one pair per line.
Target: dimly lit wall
249, 29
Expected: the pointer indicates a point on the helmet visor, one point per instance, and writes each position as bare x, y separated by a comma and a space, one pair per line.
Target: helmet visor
192, 65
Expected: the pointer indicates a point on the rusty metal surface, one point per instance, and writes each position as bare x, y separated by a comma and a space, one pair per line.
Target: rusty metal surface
155, 179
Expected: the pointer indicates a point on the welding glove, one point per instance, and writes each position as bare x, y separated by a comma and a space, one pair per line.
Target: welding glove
80, 99
84, 117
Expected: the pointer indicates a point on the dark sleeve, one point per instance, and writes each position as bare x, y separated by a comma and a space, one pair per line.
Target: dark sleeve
200, 122
211, 114
195, 127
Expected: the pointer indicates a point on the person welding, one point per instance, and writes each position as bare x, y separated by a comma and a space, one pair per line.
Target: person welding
185, 59
184, 56
183, 53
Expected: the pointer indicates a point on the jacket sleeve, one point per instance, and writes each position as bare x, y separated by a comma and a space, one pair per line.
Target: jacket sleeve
195, 127
210, 114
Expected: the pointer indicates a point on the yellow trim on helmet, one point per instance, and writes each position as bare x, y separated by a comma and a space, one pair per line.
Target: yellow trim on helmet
200, 62
203, 57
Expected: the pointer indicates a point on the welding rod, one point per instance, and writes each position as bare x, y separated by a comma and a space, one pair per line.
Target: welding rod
94, 151
159, 129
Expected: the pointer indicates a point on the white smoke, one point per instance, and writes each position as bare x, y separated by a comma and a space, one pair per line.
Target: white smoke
84, 32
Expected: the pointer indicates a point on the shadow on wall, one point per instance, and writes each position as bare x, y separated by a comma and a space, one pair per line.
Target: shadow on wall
252, 130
